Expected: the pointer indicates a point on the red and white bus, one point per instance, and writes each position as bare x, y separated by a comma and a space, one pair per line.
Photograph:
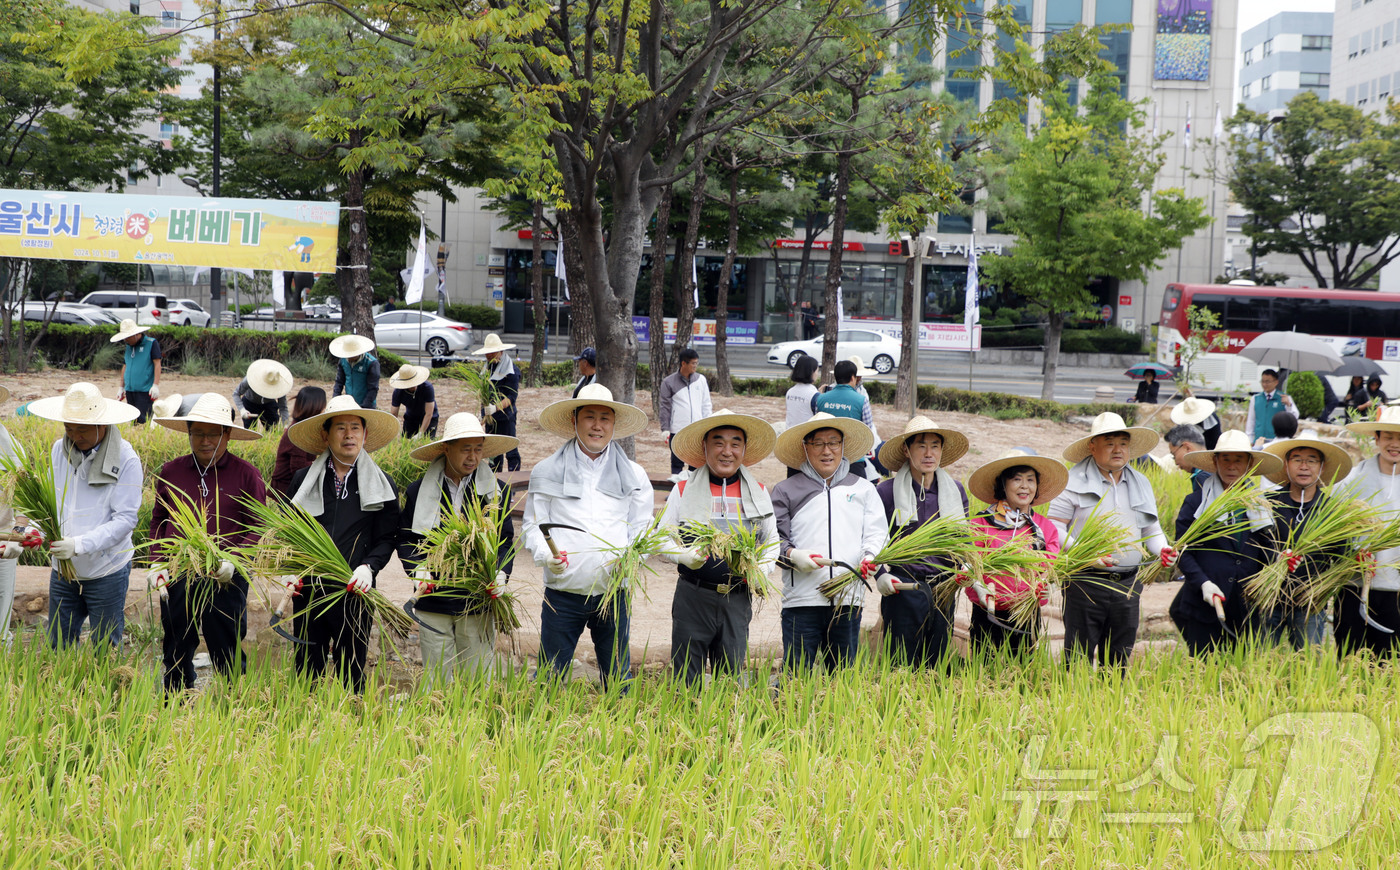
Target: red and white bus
1355, 322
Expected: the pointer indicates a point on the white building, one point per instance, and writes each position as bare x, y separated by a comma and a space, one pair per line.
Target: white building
1289, 54
1366, 52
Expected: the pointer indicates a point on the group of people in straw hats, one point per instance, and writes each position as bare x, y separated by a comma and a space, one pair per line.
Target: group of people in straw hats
587, 502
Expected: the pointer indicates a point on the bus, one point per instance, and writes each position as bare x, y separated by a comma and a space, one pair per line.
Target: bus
1362, 323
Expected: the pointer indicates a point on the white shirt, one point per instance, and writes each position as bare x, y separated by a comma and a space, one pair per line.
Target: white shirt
606, 521
99, 519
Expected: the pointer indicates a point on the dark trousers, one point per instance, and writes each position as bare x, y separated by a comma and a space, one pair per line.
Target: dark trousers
410, 427
985, 636
828, 634
1353, 633
917, 628
565, 615
141, 402
220, 613
338, 629
708, 626
676, 465
267, 415
1102, 622
503, 423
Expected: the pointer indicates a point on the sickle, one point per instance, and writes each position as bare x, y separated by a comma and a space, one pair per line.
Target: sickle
276, 625
408, 607
1004, 626
1219, 604
1366, 607
546, 528
835, 563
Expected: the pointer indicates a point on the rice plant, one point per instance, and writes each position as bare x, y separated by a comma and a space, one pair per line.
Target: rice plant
739, 547
463, 552
478, 380
1225, 516
949, 538
191, 554
30, 489
1098, 538
1332, 527
628, 564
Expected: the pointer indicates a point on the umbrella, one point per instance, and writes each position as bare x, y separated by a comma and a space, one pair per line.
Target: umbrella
1359, 365
1140, 370
1296, 351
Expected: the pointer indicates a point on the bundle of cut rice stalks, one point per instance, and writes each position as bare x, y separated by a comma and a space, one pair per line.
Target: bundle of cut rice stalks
1097, 539
949, 538
1375, 534
739, 547
627, 565
192, 554
1226, 516
464, 554
29, 485
1331, 528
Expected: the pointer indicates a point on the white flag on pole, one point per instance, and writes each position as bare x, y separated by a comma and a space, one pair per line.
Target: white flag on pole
971, 314
840, 307
1219, 132
279, 289
695, 280
1187, 139
559, 270
414, 294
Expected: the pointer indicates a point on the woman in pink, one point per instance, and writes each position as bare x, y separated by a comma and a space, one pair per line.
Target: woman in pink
1011, 486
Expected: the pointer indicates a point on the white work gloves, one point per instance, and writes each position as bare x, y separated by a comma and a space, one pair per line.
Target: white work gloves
804, 560
158, 577
689, 557
884, 584
488, 410
1210, 592
154, 392
63, 548
983, 595
558, 564
362, 580
225, 572
1169, 557
667, 435
498, 585
10, 550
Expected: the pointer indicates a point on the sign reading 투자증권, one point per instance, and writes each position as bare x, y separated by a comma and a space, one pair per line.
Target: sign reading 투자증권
179, 230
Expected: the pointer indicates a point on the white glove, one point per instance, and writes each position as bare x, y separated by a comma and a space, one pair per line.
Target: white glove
488, 410
158, 577
983, 595
690, 557
10, 550
1210, 592
63, 548
804, 560
558, 564
362, 580
667, 435
884, 584
498, 585
225, 572
154, 391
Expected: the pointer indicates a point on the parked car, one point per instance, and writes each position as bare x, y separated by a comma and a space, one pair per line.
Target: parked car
187, 312
879, 351
419, 330
71, 313
328, 310
146, 308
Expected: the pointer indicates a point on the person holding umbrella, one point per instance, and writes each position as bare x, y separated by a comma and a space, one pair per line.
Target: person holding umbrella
1147, 388
500, 417
1372, 397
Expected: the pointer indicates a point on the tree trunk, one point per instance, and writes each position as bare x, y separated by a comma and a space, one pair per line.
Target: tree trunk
356, 293
909, 343
687, 288
833, 266
537, 295
1053, 330
724, 385
581, 331
656, 310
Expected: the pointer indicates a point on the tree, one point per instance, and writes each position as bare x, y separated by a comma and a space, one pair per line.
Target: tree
1321, 183
1074, 205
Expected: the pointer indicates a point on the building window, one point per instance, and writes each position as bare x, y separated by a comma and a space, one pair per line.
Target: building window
1266, 84
1268, 47
135, 7
1244, 92
1314, 80
1248, 56
168, 129
169, 18
1317, 43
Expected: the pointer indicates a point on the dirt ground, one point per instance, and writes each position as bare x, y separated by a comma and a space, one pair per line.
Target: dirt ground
651, 618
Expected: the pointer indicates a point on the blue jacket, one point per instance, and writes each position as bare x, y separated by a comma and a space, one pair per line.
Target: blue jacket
361, 380
842, 400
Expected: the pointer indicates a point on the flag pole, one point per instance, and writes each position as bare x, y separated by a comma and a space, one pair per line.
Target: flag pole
970, 301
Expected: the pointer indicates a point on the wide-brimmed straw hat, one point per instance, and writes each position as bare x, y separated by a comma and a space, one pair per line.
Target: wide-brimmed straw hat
269, 378
82, 404
4, 395
381, 427
558, 417
857, 438
1388, 421
1109, 423
210, 408
1335, 461
492, 344
862, 370
348, 346
894, 453
1234, 441
166, 406
1192, 410
127, 329
689, 443
465, 426
1051, 473
409, 376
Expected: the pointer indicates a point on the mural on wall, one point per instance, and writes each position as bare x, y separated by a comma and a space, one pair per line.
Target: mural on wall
1183, 40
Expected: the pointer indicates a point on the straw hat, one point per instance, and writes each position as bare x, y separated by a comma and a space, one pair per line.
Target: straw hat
1335, 461
1192, 410
858, 438
894, 454
1389, 421
1235, 441
127, 329
1109, 423
689, 443
558, 417
348, 346
492, 345
82, 404
465, 426
381, 426
861, 369
210, 408
269, 378
166, 406
1052, 476
4, 395
409, 376
1166, 463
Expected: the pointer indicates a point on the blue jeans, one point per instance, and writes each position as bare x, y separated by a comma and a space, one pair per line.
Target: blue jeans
565, 615
101, 601
1298, 627
831, 633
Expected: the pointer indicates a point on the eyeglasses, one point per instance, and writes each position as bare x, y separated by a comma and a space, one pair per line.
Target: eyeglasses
823, 446
1310, 461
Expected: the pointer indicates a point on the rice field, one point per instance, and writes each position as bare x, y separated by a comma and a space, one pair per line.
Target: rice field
998, 764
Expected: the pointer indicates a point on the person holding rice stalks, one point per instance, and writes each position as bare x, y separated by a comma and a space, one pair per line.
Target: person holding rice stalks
918, 622
10, 550
714, 598
95, 492
825, 513
1102, 604
1011, 486
1374, 480
465, 636
355, 502
1309, 463
499, 416
215, 483
1217, 556
598, 502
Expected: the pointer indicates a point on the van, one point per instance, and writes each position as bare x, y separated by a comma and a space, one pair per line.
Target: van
144, 307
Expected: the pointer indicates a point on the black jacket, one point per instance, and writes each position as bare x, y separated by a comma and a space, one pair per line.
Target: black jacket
1227, 560
1271, 540
452, 601
363, 537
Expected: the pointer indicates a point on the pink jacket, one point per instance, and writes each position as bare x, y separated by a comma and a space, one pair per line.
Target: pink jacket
1006, 584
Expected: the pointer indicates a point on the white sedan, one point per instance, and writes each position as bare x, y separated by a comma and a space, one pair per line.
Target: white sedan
879, 351
187, 312
420, 330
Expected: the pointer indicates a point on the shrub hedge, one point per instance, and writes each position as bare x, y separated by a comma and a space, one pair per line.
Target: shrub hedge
1108, 339
1306, 390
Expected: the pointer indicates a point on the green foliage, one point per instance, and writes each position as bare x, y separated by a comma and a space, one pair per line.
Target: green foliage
1109, 339
1306, 390
1201, 321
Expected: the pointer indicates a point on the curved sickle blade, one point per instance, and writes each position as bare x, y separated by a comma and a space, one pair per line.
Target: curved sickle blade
276, 625
408, 607
992, 616
846, 566
1371, 622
